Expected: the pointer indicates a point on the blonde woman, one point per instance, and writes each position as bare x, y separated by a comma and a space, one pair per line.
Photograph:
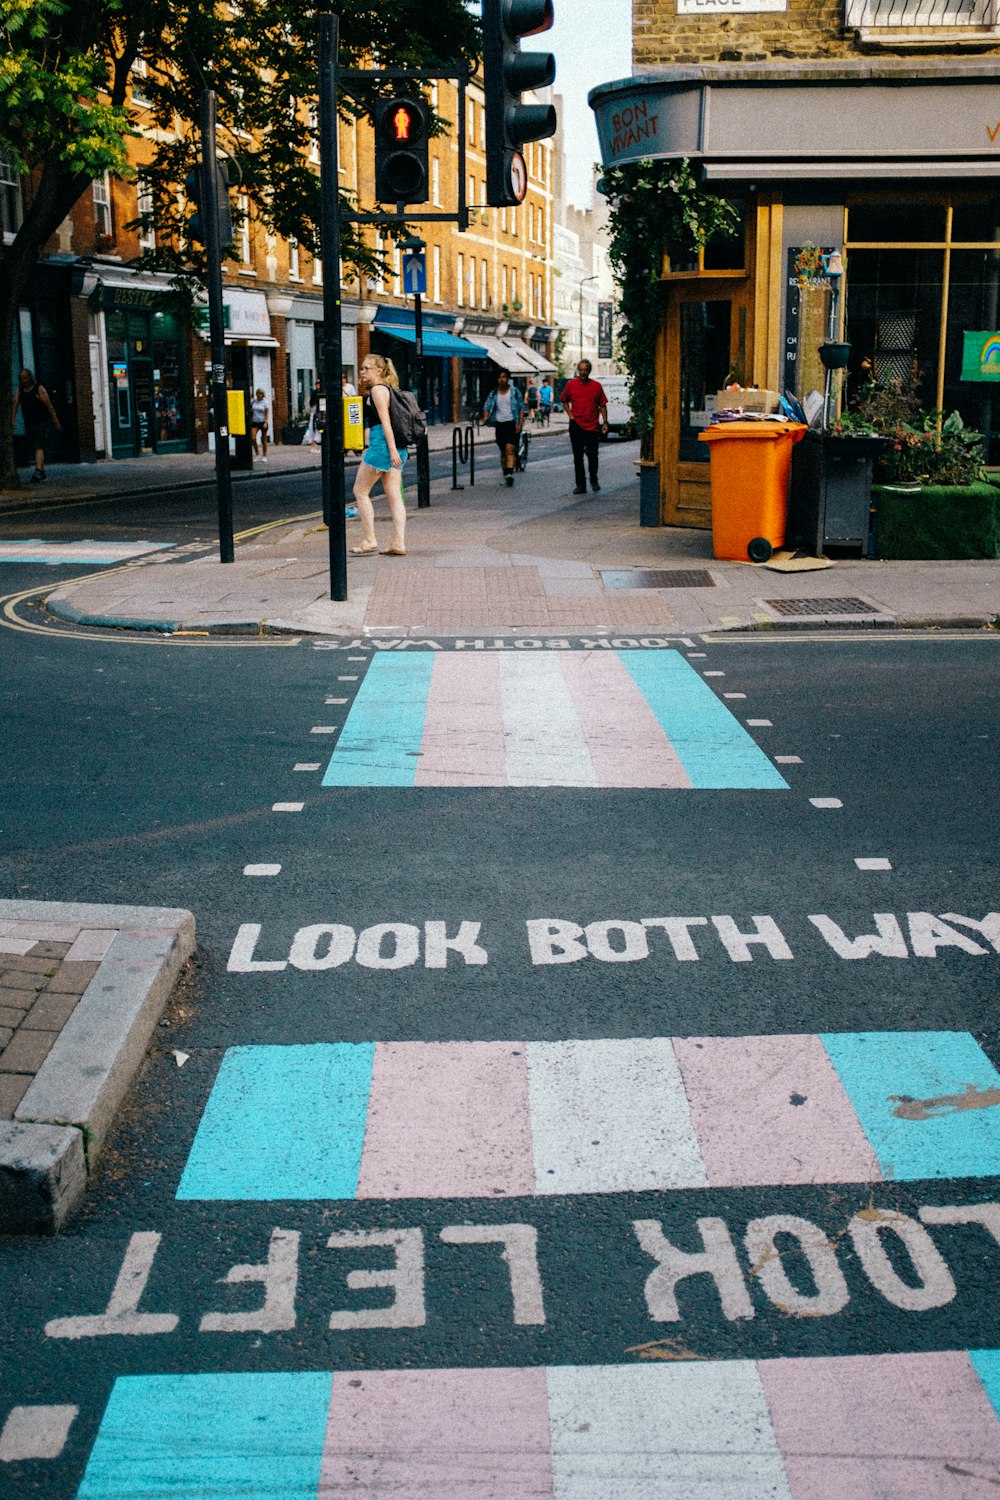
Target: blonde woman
380, 460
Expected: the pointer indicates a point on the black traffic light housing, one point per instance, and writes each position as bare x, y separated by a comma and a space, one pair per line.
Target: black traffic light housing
194, 192
507, 74
402, 134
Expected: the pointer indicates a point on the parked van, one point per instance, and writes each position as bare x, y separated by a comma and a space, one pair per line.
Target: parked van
619, 410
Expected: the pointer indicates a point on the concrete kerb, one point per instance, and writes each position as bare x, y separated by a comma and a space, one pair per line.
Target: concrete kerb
49, 1150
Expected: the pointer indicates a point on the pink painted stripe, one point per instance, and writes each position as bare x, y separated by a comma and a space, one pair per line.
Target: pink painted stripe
883, 1427
438, 1435
771, 1109
626, 743
447, 1120
463, 740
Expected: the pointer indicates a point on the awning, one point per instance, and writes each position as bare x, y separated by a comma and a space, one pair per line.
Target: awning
435, 342
507, 356
542, 366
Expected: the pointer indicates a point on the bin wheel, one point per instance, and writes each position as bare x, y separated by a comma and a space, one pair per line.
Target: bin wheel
759, 550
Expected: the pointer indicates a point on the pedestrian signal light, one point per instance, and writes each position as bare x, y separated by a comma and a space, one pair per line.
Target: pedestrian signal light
194, 192
507, 74
402, 131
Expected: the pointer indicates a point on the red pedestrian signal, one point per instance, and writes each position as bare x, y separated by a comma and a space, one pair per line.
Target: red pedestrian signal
401, 140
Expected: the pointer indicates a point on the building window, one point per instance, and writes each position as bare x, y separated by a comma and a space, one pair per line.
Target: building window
317, 271
460, 293
102, 205
484, 299
435, 182
11, 208
503, 220
314, 134
503, 288
144, 205
910, 14
380, 275
436, 272
472, 281
243, 233
471, 118
513, 288
471, 193
294, 267
397, 272
138, 81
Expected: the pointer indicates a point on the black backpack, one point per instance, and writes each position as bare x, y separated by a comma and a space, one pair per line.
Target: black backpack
409, 423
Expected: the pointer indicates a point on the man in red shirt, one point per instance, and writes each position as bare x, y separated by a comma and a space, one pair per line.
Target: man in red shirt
586, 405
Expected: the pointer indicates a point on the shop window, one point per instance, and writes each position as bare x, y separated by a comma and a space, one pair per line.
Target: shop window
976, 222
11, 208
973, 306
894, 318
726, 251
902, 223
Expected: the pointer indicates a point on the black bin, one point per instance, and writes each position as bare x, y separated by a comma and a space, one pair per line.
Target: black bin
830, 494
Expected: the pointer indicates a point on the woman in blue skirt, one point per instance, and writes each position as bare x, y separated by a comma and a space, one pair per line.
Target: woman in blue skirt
380, 460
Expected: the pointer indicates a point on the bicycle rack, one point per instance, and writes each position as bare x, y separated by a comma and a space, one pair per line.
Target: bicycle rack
463, 451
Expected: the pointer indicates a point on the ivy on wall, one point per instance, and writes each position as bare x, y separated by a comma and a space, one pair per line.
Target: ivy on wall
657, 207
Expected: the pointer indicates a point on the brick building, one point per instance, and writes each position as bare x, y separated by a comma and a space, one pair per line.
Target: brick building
126, 365
871, 127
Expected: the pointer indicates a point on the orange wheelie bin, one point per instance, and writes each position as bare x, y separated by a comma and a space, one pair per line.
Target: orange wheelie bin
750, 467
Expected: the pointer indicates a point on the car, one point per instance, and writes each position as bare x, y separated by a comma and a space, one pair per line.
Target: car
619, 409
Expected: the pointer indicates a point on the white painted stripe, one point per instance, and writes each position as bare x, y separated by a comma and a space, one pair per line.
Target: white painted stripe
694, 655
262, 869
307, 765
324, 729
347, 679
287, 806
544, 740
760, 724
873, 864
734, 695
335, 700
610, 1116
715, 674
35, 1432
688, 1431
826, 802
788, 760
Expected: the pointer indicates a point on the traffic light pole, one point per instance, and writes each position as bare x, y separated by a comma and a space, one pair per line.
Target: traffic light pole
333, 358
216, 326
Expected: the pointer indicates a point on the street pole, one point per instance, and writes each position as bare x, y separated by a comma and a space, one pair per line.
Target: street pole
583, 283
333, 433
216, 325
415, 245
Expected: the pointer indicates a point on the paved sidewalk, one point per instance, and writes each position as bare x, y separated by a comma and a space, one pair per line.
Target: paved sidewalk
534, 560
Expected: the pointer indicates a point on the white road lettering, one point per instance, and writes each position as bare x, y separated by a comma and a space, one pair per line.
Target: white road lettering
935, 1288
717, 1259
405, 1277
831, 1294
520, 1253
122, 1315
280, 1278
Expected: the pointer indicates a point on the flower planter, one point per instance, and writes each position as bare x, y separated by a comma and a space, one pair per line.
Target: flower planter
937, 522
834, 355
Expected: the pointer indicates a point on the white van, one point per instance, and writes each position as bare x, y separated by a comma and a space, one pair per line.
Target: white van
619, 410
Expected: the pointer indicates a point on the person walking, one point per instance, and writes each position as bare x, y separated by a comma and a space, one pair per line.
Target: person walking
260, 415
37, 411
545, 401
504, 411
586, 405
531, 400
382, 459
314, 432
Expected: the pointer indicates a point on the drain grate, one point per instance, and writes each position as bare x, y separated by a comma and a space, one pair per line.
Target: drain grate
821, 606
657, 578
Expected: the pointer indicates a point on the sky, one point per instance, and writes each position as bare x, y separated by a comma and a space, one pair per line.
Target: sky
592, 42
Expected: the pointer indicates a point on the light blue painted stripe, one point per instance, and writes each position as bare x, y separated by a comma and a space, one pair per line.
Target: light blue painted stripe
283, 1122
379, 744
714, 748
879, 1069
986, 1363
190, 1436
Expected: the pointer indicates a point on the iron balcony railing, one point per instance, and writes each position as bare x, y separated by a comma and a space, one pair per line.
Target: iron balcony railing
915, 14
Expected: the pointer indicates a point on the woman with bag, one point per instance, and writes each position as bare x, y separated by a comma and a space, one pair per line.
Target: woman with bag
382, 459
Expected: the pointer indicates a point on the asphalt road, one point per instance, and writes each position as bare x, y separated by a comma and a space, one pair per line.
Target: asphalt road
148, 772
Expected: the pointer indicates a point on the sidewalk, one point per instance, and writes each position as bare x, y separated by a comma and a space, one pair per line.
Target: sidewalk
533, 559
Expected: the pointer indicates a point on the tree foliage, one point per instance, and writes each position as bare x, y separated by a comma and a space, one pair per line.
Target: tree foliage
657, 208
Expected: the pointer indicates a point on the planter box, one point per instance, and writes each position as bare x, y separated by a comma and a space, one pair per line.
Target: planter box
938, 522
830, 493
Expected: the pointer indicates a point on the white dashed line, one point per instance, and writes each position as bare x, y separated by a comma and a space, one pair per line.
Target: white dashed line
873, 864
262, 869
788, 760
357, 658
826, 802
697, 655
287, 806
323, 729
35, 1432
760, 723
306, 765
734, 695
347, 679
328, 701
715, 674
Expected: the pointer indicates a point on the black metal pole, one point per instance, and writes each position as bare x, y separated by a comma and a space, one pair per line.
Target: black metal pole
333, 433
423, 454
216, 325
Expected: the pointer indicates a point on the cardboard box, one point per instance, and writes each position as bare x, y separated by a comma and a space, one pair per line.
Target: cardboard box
749, 400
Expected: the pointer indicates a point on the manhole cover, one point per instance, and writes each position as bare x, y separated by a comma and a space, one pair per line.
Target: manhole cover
657, 578
821, 606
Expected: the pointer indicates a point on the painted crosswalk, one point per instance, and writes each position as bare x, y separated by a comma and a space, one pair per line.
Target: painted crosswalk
56, 553
400, 1120
900, 1427
626, 718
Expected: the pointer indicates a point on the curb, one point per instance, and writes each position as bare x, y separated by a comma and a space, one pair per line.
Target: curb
49, 1150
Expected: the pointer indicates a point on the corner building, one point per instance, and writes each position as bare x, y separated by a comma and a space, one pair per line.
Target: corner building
866, 126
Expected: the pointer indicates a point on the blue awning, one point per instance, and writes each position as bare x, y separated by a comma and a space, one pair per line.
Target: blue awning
435, 342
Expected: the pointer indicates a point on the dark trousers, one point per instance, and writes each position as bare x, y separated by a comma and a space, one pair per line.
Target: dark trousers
584, 443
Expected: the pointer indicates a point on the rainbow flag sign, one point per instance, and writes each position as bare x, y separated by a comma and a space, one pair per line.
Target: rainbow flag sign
981, 356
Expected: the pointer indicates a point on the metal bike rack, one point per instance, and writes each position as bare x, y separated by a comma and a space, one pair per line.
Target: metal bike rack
463, 451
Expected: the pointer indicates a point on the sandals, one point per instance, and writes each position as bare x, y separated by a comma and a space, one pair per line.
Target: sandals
364, 549
393, 552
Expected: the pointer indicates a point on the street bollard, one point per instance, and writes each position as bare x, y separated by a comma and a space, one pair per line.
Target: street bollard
463, 450
423, 474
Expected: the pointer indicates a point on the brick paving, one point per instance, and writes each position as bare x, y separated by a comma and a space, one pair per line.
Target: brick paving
44, 970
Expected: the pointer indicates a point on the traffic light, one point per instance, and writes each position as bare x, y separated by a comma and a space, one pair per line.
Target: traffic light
401, 140
507, 74
194, 192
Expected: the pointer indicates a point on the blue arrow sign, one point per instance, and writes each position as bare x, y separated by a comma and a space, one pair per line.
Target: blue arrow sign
415, 273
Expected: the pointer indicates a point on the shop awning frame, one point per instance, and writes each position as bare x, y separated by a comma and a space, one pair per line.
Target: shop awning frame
435, 342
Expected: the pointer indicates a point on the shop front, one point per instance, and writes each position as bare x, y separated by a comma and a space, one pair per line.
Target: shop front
393, 333
894, 165
146, 398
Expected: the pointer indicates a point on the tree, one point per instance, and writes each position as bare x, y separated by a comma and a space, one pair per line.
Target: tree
67, 113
